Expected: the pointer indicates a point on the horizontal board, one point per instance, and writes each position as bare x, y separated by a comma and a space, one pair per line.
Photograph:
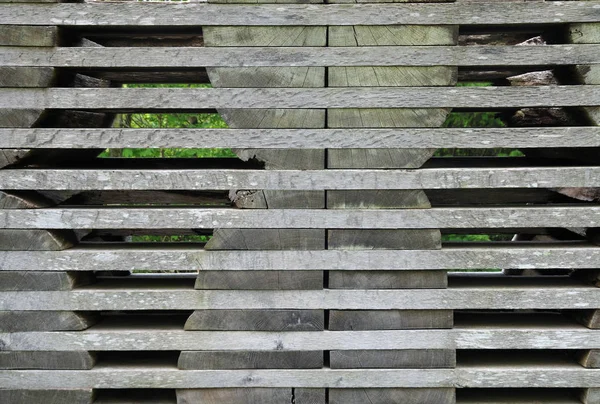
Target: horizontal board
226, 179
403, 138
194, 14
153, 338
194, 57
155, 257
401, 299
175, 218
166, 99
168, 377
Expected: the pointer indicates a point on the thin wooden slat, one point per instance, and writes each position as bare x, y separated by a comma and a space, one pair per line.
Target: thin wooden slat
248, 396
175, 218
391, 395
286, 56
168, 377
47, 360
407, 299
153, 338
164, 99
54, 396
250, 360
479, 138
194, 14
191, 179
34, 280
190, 258
25, 36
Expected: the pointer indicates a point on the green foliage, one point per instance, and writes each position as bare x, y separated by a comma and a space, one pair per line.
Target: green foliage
161, 120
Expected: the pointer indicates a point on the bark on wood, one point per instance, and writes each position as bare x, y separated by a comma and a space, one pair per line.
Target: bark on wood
256, 320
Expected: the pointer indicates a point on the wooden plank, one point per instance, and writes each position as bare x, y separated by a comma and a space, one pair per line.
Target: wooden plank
308, 302
47, 360
44, 320
387, 279
228, 223
192, 179
391, 396
590, 396
256, 320
371, 359
390, 319
476, 138
164, 15
55, 396
189, 258
117, 58
263, 280
38, 280
29, 35
165, 99
249, 238
26, 76
36, 240
167, 377
250, 360
586, 74
245, 396
152, 337
589, 358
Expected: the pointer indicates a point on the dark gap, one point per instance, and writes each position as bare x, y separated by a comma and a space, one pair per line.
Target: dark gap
148, 396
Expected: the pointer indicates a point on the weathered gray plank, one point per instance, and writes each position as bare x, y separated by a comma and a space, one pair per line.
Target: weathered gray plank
262, 226
191, 179
262, 280
420, 359
26, 76
590, 396
589, 358
188, 258
300, 305
25, 35
163, 99
240, 396
587, 74
157, 377
390, 319
56, 396
478, 138
47, 360
250, 238
250, 360
391, 396
387, 279
306, 56
153, 338
256, 320
34, 280
36, 240
194, 14
44, 320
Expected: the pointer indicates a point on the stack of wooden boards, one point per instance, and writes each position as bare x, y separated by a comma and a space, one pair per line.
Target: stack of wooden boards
326, 278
